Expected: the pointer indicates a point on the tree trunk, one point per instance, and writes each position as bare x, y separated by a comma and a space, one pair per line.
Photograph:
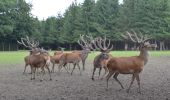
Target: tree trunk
126, 46
70, 47
9, 48
162, 45
3, 46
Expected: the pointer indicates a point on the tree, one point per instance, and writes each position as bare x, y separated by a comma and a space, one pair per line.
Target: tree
106, 13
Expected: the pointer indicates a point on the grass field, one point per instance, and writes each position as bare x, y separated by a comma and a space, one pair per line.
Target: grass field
16, 57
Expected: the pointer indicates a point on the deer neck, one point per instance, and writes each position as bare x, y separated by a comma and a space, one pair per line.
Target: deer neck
84, 54
144, 55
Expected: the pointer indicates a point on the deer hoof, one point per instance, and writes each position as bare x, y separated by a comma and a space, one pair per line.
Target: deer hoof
106, 89
92, 79
50, 79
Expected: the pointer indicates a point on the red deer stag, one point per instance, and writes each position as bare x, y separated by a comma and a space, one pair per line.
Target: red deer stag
86, 44
130, 65
76, 56
38, 58
101, 59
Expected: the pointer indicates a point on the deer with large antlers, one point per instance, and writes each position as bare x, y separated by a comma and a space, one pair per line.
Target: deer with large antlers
86, 43
38, 58
130, 65
101, 60
76, 56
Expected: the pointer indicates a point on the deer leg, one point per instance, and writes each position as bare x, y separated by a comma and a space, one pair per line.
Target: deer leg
104, 72
59, 68
32, 73
73, 69
25, 68
99, 72
65, 67
115, 77
37, 71
94, 69
42, 73
108, 76
34, 70
69, 66
79, 67
133, 77
49, 72
138, 81
31, 70
53, 68
83, 63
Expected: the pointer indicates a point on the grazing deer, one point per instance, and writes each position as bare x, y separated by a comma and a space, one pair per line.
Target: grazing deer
38, 57
130, 65
101, 59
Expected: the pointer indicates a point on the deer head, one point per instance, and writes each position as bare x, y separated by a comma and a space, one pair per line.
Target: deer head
30, 44
86, 43
142, 40
103, 44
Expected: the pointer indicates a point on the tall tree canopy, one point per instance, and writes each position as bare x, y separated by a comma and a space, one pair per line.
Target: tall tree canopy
96, 18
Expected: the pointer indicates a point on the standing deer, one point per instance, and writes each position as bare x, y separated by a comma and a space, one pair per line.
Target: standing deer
26, 59
130, 65
38, 58
85, 43
55, 59
76, 56
100, 60
73, 58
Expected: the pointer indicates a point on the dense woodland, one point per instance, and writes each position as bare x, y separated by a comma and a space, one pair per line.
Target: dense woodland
96, 18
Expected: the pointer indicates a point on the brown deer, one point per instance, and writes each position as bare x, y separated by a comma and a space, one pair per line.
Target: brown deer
130, 65
86, 43
55, 59
101, 59
73, 58
38, 57
26, 59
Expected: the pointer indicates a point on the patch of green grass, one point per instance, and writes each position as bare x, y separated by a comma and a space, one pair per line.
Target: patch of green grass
17, 57
132, 53
13, 57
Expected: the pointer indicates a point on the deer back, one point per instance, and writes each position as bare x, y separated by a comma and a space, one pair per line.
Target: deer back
126, 65
56, 57
70, 57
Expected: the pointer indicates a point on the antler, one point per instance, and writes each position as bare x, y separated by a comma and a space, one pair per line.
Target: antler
93, 42
102, 44
136, 38
83, 43
29, 43
86, 41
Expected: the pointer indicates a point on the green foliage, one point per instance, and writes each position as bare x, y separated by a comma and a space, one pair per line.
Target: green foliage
103, 17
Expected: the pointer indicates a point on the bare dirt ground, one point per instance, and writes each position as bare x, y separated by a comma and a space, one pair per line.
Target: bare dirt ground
155, 84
